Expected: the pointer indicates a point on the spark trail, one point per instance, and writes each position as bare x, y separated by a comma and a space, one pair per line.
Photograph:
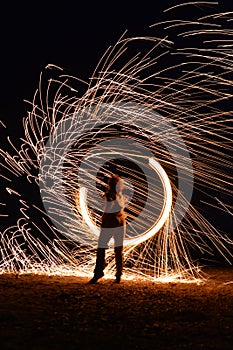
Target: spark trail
179, 114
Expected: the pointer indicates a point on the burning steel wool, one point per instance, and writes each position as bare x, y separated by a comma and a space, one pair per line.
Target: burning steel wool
165, 131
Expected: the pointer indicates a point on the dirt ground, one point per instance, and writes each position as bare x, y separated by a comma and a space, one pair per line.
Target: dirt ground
51, 312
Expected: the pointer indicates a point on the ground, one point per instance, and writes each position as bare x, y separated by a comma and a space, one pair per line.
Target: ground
52, 312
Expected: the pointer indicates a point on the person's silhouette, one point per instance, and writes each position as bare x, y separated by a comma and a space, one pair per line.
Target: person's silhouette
113, 224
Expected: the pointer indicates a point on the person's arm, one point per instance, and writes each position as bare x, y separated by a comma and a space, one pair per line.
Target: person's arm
105, 203
121, 200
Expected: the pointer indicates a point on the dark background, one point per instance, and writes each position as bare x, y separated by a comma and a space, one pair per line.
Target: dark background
73, 36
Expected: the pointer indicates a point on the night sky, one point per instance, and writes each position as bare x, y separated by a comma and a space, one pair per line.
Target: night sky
71, 35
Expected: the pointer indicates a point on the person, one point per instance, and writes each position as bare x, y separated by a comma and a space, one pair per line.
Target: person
113, 224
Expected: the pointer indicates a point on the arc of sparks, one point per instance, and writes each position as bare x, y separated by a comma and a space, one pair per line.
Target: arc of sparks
167, 204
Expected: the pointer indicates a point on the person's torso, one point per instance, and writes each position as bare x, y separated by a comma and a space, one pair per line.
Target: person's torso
114, 214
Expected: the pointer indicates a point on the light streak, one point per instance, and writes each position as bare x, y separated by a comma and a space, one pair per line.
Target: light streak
193, 93
155, 227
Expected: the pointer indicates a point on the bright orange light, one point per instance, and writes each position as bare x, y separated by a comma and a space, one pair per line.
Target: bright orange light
157, 225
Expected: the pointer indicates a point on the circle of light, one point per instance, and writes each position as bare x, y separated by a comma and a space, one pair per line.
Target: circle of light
165, 212
69, 130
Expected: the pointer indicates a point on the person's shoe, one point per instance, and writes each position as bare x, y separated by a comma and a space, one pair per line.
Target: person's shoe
118, 279
95, 279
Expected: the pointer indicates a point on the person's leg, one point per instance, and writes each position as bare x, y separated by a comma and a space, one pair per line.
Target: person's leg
100, 257
100, 262
99, 265
119, 262
118, 249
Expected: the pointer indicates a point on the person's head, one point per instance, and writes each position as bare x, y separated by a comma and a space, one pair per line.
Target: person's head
115, 184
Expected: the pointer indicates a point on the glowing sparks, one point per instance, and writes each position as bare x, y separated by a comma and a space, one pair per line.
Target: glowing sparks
176, 113
84, 211
156, 226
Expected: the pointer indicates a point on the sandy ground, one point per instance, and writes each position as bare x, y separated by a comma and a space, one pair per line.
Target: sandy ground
51, 312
